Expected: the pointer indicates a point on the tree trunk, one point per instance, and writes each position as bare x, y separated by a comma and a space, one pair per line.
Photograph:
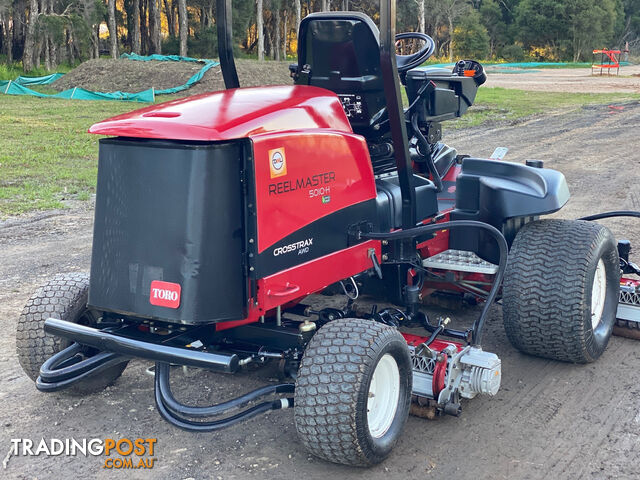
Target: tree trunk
260, 30
170, 20
184, 26
70, 55
113, 29
286, 35
29, 42
154, 26
450, 39
326, 5
53, 48
145, 44
3, 34
422, 22
345, 5
95, 41
9, 27
298, 15
135, 41
276, 41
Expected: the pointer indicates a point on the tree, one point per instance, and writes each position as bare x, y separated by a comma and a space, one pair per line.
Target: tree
491, 14
135, 40
6, 28
422, 23
183, 21
154, 26
470, 38
113, 31
260, 29
30, 38
571, 29
452, 10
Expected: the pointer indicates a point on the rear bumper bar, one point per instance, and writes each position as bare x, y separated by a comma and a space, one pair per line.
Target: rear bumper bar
129, 347
70, 366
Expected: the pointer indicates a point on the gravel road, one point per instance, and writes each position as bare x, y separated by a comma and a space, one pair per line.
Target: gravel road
549, 420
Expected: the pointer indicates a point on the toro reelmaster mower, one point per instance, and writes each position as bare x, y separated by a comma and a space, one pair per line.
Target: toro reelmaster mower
217, 215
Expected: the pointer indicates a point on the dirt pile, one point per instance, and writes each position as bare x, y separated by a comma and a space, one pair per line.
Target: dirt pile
108, 75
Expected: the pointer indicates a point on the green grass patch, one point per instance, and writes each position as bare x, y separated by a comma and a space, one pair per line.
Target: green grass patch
14, 70
46, 156
497, 105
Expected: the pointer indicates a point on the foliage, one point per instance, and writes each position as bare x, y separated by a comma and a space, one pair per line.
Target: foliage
470, 37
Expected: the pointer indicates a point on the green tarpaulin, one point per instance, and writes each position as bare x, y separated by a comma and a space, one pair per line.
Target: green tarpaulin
18, 86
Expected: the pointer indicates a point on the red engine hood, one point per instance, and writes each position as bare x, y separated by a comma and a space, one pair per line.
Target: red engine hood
230, 114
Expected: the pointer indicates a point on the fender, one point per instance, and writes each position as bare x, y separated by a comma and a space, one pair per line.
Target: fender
505, 195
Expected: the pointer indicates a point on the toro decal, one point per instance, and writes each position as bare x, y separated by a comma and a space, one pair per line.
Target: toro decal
164, 294
277, 162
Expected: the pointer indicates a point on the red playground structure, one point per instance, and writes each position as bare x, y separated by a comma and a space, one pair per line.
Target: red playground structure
609, 60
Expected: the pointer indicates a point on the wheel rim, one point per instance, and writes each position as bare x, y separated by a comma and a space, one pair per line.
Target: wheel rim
384, 392
598, 294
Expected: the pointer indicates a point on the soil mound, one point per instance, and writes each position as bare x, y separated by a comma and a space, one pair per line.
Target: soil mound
108, 75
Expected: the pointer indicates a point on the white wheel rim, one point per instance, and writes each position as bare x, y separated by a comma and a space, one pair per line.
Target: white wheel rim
598, 294
384, 392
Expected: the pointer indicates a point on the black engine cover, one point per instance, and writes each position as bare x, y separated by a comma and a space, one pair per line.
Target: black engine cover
170, 212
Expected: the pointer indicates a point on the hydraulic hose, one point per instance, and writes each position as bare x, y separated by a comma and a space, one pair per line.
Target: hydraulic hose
618, 213
182, 416
162, 374
478, 325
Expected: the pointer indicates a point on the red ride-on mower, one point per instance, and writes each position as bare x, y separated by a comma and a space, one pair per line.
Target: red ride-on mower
217, 215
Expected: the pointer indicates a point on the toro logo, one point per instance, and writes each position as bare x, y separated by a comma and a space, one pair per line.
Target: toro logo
277, 162
164, 294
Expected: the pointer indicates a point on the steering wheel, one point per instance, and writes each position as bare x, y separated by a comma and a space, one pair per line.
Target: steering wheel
407, 62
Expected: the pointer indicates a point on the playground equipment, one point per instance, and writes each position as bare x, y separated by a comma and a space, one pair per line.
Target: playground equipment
609, 60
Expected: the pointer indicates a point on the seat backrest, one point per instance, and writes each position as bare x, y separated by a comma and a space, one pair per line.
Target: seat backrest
342, 52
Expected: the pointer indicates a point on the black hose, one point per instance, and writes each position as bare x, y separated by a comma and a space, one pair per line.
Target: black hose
162, 376
427, 149
66, 368
197, 426
619, 213
478, 325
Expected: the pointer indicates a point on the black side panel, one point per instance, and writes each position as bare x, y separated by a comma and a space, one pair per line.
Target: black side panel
494, 191
327, 235
389, 201
173, 212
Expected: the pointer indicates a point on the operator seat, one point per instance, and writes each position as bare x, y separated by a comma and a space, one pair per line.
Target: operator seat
340, 51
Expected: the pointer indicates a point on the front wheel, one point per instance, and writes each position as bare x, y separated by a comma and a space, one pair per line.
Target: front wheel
561, 288
63, 297
353, 392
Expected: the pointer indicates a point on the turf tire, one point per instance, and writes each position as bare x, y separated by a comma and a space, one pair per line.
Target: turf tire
63, 297
547, 289
332, 391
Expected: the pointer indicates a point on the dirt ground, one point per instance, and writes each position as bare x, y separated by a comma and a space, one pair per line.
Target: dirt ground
570, 80
549, 421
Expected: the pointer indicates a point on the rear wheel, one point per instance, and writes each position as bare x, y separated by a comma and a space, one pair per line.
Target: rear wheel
560, 291
63, 297
353, 392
